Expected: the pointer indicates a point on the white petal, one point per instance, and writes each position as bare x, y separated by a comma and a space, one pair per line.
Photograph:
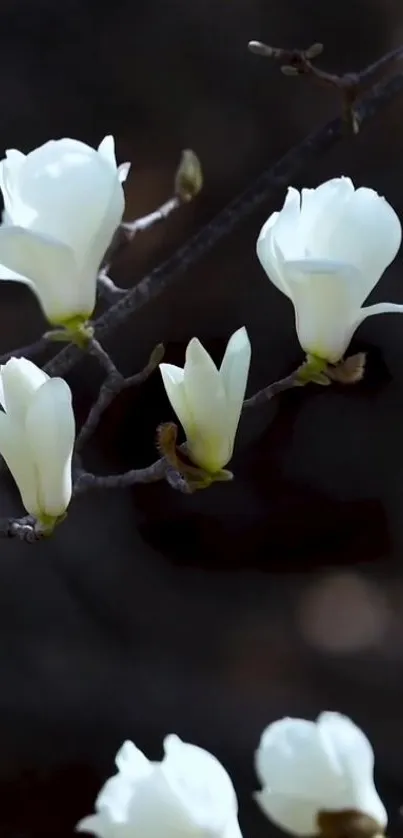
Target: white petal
377, 308
291, 813
123, 171
6, 275
286, 225
9, 169
115, 799
96, 825
201, 784
143, 808
232, 828
14, 449
70, 187
281, 228
286, 748
321, 210
209, 441
364, 231
234, 373
271, 259
50, 266
349, 746
106, 149
325, 301
172, 378
101, 240
20, 379
50, 430
132, 762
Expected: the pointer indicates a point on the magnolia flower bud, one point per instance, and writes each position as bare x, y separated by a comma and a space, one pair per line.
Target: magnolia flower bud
326, 250
189, 794
310, 768
208, 401
62, 205
37, 431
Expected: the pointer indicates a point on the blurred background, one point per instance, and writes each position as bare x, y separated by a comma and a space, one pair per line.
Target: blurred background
282, 593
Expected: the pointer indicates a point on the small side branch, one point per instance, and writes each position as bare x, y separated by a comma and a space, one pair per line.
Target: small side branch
150, 474
114, 383
267, 393
160, 470
187, 184
147, 221
351, 86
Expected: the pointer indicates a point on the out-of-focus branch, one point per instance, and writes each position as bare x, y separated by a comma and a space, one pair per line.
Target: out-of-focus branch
350, 86
28, 351
276, 178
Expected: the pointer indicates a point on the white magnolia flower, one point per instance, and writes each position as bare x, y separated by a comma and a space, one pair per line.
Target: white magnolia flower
208, 401
187, 795
37, 431
311, 767
62, 205
326, 250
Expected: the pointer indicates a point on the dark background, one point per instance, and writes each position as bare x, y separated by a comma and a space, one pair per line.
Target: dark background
282, 593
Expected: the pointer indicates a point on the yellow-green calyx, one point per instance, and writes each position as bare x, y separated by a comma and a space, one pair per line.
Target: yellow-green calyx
76, 330
47, 523
195, 476
317, 371
313, 370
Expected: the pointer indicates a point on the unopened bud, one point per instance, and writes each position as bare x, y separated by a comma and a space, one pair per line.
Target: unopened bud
157, 355
313, 51
288, 70
258, 48
189, 176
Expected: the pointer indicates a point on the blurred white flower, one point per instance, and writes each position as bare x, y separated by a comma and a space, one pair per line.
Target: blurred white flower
37, 431
326, 250
310, 767
62, 205
208, 401
187, 795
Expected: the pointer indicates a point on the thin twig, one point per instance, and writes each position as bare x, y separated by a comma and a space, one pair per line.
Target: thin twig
107, 288
267, 393
147, 221
187, 184
113, 384
368, 75
279, 176
160, 470
150, 474
299, 62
